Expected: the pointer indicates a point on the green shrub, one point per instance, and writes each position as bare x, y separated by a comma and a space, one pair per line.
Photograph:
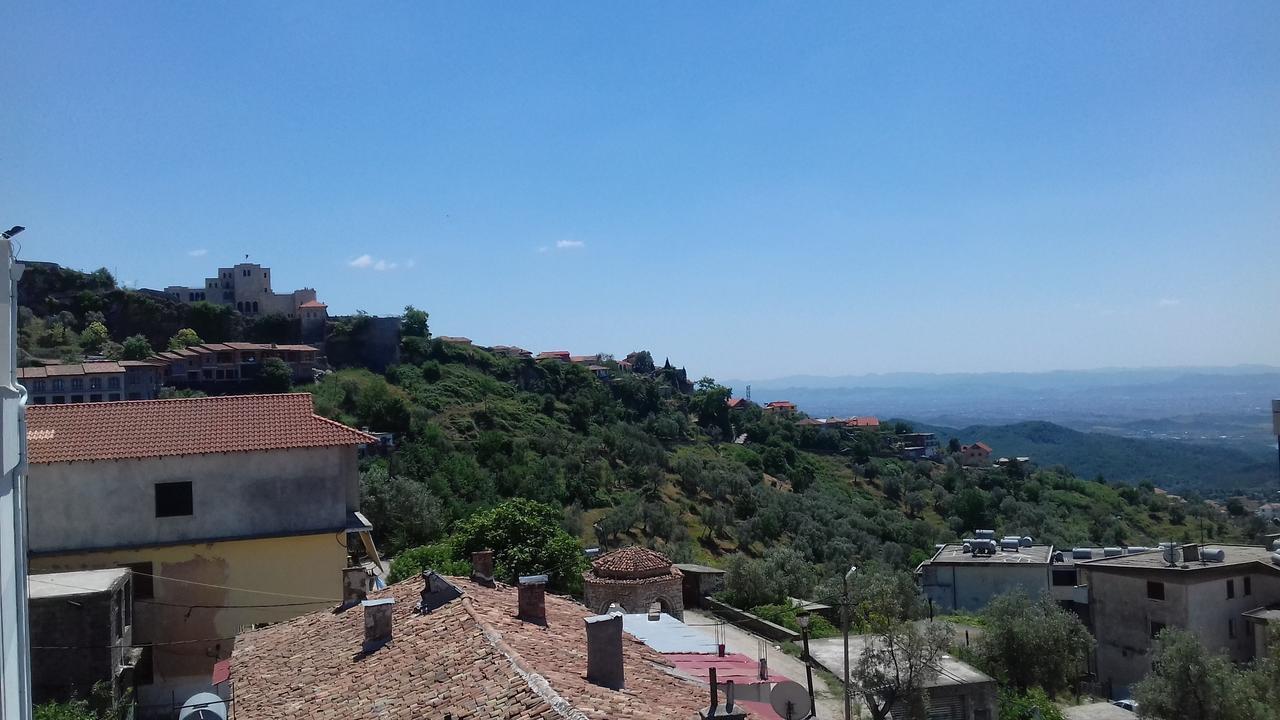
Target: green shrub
785, 615
438, 557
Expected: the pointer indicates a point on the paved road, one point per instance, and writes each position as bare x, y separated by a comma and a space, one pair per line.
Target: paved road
738, 640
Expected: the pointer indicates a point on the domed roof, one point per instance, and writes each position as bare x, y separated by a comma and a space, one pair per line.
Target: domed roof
631, 563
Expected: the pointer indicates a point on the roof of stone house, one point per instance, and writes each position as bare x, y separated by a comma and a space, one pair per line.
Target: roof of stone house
780, 403
313, 304
183, 426
631, 564
89, 368
472, 658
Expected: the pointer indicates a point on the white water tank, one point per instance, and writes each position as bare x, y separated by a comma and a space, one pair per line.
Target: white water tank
1082, 553
1026, 541
1112, 552
1213, 554
985, 534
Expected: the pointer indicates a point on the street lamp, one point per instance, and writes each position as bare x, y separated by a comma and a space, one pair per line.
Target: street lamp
12, 231
802, 619
844, 622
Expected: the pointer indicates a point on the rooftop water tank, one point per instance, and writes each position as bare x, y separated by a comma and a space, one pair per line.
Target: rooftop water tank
1171, 554
1026, 541
966, 548
1009, 544
1275, 558
1082, 553
985, 534
1112, 552
1057, 556
1135, 549
1213, 554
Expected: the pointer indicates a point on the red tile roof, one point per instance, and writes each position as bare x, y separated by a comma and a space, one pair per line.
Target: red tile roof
780, 403
313, 304
89, 368
184, 426
632, 563
471, 658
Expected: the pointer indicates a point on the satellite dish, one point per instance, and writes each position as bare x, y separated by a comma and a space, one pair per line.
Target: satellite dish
203, 706
790, 700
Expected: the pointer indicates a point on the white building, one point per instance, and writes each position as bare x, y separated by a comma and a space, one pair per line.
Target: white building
247, 288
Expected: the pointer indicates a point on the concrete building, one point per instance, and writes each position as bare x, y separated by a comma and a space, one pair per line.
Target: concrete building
965, 576
82, 634
230, 511
918, 446
460, 648
634, 578
698, 582
1133, 597
223, 367
76, 383
957, 691
247, 288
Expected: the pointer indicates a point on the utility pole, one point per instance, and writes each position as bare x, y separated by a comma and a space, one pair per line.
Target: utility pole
15, 638
844, 622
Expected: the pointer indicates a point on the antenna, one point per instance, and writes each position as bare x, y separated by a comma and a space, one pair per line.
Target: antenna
748, 392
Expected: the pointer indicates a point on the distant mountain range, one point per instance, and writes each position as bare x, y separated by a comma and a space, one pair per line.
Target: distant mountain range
1224, 406
1211, 470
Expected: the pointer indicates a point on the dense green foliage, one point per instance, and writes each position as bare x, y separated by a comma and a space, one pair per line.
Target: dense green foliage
1191, 682
526, 539
1032, 705
1032, 643
785, 615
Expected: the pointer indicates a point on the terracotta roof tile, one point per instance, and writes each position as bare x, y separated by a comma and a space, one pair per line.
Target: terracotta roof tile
184, 426
632, 563
313, 304
472, 658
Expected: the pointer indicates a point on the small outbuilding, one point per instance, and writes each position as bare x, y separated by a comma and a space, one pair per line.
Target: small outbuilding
635, 578
699, 582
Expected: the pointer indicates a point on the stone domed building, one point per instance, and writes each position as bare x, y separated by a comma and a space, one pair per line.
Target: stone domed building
635, 578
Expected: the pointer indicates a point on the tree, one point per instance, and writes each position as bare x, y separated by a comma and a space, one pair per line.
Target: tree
184, 338
1188, 681
642, 362
953, 445
896, 665
1029, 643
526, 539
711, 404
135, 347
404, 512
275, 376
414, 323
747, 583
93, 336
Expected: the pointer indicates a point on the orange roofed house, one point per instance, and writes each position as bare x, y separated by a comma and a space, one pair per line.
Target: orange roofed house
231, 511
977, 454
780, 407
457, 648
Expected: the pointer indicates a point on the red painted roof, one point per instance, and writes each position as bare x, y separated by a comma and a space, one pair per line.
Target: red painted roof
183, 426
781, 403
313, 304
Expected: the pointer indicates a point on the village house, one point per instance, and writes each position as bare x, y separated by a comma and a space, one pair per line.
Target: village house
561, 355
81, 634
230, 511
634, 578
780, 407
918, 446
92, 382
510, 351
739, 403
465, 342
1219, 593
434, 647
966, 576
247, 288
975, 455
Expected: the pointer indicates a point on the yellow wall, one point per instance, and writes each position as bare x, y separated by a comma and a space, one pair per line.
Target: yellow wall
308, 565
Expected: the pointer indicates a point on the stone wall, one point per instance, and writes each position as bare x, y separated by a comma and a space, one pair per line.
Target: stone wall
636, 597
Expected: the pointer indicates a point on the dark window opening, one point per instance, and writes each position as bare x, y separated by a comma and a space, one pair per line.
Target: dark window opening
143, 588
173, 499
1231, 629
1155, 590
1248, 629
1064, 578
1231, 589
1155, 629
1248, 586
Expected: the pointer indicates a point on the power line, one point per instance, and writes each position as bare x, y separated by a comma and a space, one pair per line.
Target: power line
130, 645
228, 607
236, 589
314, 600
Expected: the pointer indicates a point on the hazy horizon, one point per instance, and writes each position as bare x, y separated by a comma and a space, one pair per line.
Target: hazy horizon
753, 190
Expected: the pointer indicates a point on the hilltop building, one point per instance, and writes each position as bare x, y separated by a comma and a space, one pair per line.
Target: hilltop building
1221, 594
433, 647
92, 382
222, 367
634, 578
966, 576
918, 446
229, 510
247, 288
780, 407
975, 455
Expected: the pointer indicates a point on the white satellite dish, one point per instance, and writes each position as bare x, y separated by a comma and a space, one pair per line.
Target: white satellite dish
790, 700
203, 706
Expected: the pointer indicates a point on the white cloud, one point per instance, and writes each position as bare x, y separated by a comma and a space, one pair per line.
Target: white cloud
198, 253
369, 262
569, 244
383, 265
363, 261
1169, 302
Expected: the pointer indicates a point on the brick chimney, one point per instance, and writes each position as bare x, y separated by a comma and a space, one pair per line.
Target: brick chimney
355, 585
604, 651
482, 568
377, 622
533, 599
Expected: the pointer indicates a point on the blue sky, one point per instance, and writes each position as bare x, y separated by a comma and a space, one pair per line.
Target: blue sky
753, 189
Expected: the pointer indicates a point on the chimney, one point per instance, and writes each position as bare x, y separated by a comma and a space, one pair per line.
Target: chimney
482, 568
436, 592
355, 585
377, 622
532, 599
655, 612
728, 711
604, 651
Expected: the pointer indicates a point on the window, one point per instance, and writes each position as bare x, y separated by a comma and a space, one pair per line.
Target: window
1248, 586
143, 587
1155, 590
1248, 629
1231, 589
95, 383
96, 397
135, 396
40, 401
77, 398
1064, 578
173, 499
77, 383
39, 386
59, 399
1231, 629
115, 397
113, 383
57, 385
1155, 629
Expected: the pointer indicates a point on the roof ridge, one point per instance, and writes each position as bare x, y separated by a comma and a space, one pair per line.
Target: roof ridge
368, 436
538, 684
72, 406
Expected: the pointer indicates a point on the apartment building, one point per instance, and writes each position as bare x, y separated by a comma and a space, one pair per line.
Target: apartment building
214, 366
966, 576
92, 382
230, 511
1215, 593
247, 288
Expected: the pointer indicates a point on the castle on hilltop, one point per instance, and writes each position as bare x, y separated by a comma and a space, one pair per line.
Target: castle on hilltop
247, 288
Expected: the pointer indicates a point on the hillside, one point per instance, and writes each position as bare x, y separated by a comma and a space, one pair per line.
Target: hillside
632, 459
1179, 466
